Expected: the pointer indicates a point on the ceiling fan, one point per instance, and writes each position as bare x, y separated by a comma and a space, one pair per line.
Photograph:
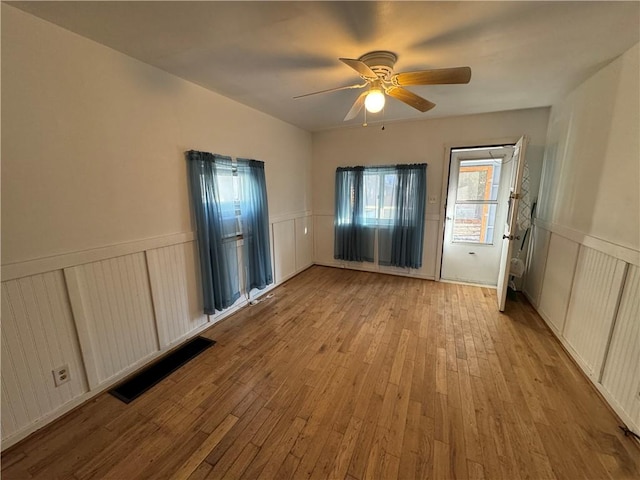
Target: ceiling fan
376, 69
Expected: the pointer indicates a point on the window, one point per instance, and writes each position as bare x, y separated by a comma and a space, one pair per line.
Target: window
387, 202
229, 199
476, 201
229, 193
379, 195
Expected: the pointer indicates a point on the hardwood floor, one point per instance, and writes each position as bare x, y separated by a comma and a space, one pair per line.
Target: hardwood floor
358, 376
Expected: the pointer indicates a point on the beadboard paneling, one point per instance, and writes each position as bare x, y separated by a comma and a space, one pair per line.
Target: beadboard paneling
621, 377
538, 248
173, 275
558, 279
594, 301
38, 336
116, 315
304, 242
284, 250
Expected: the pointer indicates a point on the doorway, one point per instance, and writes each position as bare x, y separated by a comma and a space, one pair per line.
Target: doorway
476, 211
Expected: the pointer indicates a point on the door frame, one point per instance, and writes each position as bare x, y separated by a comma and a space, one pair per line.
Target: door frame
446, 166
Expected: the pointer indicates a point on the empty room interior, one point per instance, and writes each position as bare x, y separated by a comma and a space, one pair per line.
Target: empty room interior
328, 240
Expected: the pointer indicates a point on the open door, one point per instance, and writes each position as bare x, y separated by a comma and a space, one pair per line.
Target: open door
510, 226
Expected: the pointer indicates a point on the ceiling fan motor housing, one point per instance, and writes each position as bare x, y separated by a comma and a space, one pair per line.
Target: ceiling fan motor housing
381, 62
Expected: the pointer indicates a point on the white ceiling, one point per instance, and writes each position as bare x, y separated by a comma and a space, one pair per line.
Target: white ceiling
522, 54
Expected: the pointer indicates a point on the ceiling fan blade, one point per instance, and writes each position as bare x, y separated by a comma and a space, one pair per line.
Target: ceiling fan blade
440, 76
356, 107
360, 67
359, 85
410, 98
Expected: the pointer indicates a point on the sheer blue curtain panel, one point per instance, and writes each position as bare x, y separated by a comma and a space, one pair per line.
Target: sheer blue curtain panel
353, 241
216, 228
402, 245
255, 224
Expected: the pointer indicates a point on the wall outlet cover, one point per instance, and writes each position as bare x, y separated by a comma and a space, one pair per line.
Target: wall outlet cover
61, 375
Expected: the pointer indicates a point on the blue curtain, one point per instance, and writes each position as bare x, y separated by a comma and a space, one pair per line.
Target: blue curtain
401, 245
255, 224
353, 240
216, 230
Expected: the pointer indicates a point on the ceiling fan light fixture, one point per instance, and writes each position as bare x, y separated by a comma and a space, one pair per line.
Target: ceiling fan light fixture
374, 101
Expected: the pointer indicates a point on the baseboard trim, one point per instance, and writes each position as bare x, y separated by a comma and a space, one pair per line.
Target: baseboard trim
375, 270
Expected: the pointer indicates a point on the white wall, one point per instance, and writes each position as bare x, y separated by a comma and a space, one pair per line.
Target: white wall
94, 141
99, 262
412, 142
583, 277
592, 165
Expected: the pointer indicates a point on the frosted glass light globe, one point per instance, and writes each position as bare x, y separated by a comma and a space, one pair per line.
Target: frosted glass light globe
374, 101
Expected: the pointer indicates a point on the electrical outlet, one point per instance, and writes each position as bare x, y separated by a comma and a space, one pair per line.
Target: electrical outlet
61, 375
433, 199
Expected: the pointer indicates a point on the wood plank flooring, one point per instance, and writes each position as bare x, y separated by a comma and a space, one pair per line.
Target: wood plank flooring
352, 375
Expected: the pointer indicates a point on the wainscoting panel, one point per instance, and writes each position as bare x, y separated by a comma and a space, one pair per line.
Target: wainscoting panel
116, 314
621, 377
594, 301
284, 249
538, 247
304, 242
558, 280
38, 336
177, 299
323, 240
431, 234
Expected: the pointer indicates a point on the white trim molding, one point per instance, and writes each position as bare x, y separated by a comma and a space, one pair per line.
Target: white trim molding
620, 252
15, 270
289, 216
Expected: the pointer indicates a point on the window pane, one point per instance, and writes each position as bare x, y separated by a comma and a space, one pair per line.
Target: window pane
388, 201
474, 223
478, 180
225, 186
371, 187
229, 195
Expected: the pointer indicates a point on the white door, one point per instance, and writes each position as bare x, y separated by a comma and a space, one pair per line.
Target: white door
509, 235
476, 210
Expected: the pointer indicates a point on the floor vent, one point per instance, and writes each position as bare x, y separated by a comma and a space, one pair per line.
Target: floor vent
142, 381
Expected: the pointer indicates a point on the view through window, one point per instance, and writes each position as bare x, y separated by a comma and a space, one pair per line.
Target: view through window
229, 191
476, 201
379, 193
